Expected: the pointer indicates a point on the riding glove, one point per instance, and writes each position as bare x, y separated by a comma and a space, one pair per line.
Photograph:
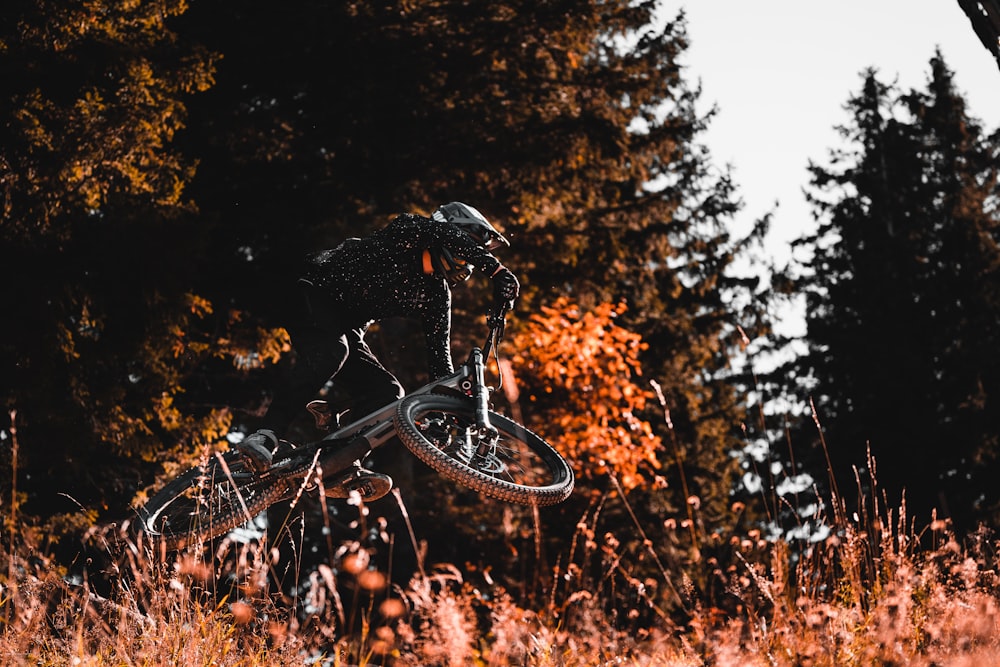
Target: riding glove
505, 286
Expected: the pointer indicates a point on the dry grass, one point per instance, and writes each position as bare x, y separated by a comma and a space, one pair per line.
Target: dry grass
869, 596
874, 593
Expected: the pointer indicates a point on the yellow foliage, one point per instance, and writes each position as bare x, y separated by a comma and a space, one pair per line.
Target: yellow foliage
579, 369
200, 306
66, 343
273, 343
167, 414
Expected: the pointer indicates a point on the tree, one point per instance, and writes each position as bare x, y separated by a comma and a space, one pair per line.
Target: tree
902, 299
579, 375
104, 329
570, 123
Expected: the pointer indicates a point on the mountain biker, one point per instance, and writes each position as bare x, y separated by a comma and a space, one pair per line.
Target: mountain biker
406, 269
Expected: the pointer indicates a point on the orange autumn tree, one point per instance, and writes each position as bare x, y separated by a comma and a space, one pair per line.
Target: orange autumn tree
579, 371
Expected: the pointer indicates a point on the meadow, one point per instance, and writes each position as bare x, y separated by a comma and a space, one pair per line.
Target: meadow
871, 593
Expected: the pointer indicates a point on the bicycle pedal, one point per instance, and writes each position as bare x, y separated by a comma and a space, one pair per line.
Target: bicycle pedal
367, 484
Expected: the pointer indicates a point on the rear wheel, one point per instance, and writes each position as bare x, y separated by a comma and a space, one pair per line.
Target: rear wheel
209, 500
518, 467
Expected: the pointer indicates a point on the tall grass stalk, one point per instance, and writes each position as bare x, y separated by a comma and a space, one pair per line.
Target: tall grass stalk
868, 595
873, 592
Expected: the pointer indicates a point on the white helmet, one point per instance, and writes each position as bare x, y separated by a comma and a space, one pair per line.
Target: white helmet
472, 222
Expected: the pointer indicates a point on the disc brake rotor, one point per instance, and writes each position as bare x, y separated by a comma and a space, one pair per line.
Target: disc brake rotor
460, 443
490, 464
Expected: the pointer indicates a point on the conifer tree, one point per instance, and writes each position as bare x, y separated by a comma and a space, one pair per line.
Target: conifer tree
570, 123
97, 241
902, 299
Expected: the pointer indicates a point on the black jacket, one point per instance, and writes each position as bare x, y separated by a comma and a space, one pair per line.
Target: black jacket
384, 275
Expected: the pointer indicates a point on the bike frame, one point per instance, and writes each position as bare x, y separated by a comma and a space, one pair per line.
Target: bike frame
446, 423
370, 432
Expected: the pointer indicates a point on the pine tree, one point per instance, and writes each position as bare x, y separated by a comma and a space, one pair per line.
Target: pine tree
570, 123
98, 244
902, 308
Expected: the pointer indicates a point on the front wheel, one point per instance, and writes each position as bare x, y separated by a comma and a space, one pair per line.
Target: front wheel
520, 467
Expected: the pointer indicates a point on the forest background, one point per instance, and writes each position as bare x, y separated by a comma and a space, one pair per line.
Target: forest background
164, 167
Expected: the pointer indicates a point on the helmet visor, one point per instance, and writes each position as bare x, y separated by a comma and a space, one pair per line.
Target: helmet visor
495, 240
473, 223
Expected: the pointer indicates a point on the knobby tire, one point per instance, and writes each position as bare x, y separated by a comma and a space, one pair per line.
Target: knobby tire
210, 500
523, 468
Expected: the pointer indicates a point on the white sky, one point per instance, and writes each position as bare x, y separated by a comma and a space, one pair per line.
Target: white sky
780, 72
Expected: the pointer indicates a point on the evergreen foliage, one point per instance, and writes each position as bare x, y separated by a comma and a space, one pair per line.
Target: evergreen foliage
903, 311
98, 241
164, 171
570, 123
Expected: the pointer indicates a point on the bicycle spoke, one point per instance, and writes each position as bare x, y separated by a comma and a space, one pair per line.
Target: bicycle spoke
515, 465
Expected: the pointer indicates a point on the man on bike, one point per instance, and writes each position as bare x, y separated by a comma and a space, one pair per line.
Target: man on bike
406, 269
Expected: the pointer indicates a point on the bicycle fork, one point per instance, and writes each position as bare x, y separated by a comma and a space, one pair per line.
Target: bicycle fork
488, 434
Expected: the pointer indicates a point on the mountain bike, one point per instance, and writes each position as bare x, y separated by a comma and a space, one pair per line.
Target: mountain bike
448, 424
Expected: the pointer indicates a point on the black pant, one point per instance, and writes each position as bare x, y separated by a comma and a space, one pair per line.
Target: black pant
326, 349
